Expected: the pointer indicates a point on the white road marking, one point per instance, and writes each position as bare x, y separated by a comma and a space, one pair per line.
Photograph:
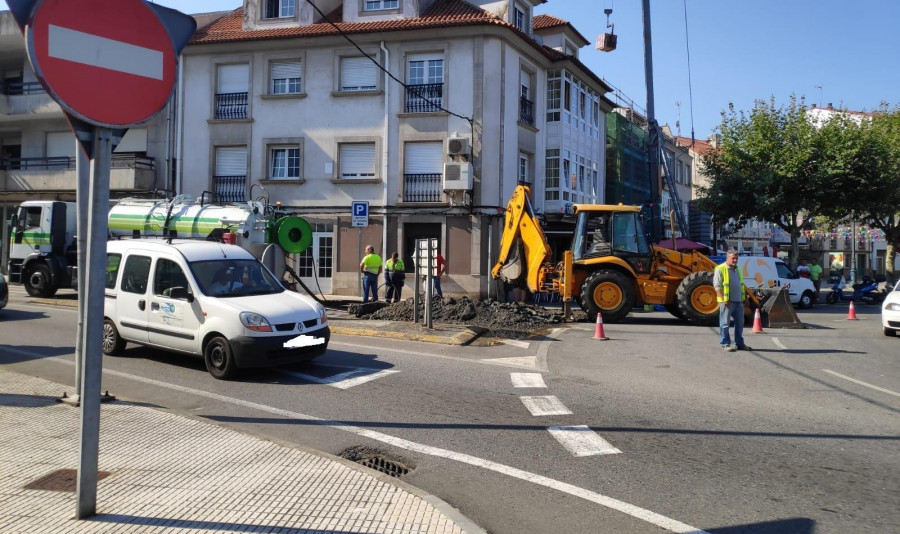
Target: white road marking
527, 380
545, 405
778, 343
528, 362
96, 51
582, 441
515, 343
637, 512
345, 380
861, 383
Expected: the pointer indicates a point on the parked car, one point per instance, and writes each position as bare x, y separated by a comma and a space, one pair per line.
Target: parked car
890, 312
207, 299
774, 273
4, 292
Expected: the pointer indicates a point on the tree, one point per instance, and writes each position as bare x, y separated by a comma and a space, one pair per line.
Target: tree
767, 166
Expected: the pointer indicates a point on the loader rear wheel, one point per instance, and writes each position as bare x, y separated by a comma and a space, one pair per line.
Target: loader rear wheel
609, 293
696, 299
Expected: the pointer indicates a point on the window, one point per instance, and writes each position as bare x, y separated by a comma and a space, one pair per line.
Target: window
526, 105
356, 160
276, 9
286, 77
231, 174
422, 171
358, 74
112, 269
378, 5
168, 275
136, 274
425, 84
524, 177
551, 175
520, 21
553, 99
687, 175
232, 87
284, 163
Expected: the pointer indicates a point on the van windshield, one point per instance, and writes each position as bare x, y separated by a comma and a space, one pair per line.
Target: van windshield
234, 278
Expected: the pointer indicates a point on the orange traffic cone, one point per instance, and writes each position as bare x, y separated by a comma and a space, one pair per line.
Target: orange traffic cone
757, 323
851, 316
598, 331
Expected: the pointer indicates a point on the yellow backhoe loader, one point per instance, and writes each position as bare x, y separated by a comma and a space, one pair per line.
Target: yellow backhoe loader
610, 266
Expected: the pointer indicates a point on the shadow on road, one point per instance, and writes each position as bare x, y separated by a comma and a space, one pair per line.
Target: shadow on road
799, 525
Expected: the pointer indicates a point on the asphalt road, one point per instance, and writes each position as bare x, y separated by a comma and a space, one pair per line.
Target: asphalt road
654, 430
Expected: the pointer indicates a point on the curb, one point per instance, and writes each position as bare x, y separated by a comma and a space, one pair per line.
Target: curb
468, 335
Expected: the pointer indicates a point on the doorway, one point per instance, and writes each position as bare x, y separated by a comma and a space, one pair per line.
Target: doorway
413, 231
315, 264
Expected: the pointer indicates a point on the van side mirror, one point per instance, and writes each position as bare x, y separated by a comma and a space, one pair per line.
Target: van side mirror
179, 292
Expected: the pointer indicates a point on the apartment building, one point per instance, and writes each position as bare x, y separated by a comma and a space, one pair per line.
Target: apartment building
432, 111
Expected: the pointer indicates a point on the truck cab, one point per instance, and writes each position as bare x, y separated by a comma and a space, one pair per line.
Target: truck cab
42, 253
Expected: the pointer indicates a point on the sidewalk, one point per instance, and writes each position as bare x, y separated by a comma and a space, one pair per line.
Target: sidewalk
172, 474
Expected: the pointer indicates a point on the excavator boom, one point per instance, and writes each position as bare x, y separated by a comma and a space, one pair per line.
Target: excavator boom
523, 245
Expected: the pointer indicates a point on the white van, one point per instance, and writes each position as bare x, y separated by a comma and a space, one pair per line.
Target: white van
207, 299
767, 272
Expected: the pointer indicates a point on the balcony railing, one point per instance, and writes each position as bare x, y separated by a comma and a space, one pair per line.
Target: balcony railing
231, 105
424, 98
119, 161
422, 187
22, 88
230, 188
526, 111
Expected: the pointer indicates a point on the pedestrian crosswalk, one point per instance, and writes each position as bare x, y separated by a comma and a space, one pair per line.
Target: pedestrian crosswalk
579, 440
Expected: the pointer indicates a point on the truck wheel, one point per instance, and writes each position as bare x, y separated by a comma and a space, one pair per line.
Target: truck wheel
218, 358
112, 343
696, 299
806, 299
38, 283
610, 293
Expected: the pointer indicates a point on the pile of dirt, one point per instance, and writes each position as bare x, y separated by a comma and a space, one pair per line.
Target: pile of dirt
489, 314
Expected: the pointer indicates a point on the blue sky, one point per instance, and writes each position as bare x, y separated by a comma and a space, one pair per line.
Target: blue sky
739, 51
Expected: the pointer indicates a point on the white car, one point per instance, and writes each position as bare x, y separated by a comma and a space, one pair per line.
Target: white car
207, 299
890, 312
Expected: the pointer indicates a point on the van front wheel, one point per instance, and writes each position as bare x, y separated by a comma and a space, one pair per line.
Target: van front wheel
219, 359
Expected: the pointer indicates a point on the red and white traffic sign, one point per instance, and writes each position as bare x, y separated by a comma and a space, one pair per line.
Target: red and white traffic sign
108, 62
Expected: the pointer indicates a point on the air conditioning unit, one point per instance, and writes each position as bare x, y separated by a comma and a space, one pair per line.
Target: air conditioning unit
458, 146
457, 176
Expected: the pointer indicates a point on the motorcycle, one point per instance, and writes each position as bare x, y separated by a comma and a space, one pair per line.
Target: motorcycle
865, 291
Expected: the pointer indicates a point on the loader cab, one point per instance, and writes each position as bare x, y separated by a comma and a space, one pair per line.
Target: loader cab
612, 231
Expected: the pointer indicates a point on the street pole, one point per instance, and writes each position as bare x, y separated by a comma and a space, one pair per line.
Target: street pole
94, 281
653, 128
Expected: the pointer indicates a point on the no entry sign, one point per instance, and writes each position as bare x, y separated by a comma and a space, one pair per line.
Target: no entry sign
108, 62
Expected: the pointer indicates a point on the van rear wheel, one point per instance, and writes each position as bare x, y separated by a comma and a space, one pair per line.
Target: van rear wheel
219, 359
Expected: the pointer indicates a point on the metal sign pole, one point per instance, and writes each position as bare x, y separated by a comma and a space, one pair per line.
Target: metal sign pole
94, 281
417, 262
83, 172
429, 285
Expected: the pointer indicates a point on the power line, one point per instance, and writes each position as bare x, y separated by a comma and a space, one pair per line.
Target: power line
380, 67
687, 45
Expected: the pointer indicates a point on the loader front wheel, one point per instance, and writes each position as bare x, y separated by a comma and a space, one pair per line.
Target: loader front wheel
609, 293
696, 299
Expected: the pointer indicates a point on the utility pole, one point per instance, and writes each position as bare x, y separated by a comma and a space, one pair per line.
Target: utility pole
653, 150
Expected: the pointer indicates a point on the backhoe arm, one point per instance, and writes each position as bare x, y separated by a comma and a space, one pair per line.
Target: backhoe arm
523, 245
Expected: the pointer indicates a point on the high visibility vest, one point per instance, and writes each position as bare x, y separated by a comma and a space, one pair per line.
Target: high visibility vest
391, 265
726, 284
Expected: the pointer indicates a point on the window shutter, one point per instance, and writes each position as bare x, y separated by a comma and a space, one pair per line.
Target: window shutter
233, 79
135, 140
357, 74
287, 70
423, 158
357, 160
231, 161
60, 144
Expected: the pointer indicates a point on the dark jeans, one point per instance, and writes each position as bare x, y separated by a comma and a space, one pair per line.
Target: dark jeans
394, 287
735, 311
370, 284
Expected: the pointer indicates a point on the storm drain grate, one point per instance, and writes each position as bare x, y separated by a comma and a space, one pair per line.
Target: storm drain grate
61, 480
378, 460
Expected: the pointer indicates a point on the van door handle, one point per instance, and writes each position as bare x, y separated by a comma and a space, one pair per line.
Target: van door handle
154, 306
142, 304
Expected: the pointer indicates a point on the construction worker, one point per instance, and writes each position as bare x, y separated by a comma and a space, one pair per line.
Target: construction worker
394, 276
730, 294
370, 266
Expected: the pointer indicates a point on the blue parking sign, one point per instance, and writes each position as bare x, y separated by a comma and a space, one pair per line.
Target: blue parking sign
360, 211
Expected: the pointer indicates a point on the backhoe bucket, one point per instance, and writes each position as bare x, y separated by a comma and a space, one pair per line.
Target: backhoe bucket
776, 309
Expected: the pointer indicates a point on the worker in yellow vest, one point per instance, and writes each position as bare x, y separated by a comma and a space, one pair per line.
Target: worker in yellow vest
730, 294
370, 266
394, 277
